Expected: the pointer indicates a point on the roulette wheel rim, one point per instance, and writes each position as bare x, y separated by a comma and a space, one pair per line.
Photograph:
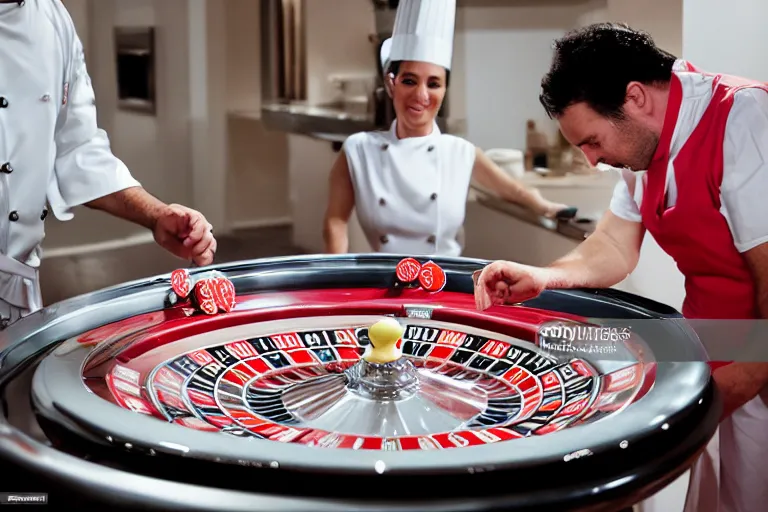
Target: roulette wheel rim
680, 395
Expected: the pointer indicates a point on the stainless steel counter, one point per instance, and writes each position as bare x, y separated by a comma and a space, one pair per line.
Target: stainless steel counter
333, 122
576, 229
310, 119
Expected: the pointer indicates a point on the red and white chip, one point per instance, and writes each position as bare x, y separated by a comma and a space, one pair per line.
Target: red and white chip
225, 294
214, 294
432, 277
181, 283
407, 271
205, 296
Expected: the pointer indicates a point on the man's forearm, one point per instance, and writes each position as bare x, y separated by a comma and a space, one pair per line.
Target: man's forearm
596, 263
132, 204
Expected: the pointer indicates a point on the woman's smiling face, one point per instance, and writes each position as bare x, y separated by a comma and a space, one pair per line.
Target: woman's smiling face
417, 92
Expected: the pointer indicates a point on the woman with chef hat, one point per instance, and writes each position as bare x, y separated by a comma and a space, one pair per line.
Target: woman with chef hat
409, 185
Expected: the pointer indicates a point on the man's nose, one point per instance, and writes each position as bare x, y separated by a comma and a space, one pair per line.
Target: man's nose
592, 157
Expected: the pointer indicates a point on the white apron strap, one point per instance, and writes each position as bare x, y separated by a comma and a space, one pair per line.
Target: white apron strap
9, 265
24, 293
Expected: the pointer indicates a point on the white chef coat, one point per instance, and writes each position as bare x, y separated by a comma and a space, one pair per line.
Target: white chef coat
732, 475
411, 193
51, 148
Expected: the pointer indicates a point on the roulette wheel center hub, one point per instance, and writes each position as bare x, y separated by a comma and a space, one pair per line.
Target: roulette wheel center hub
383, 374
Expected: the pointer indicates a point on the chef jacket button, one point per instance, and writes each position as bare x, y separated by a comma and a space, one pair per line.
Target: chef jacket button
44, 214
6, 168
384, 147
431, 239
384, 239
14, 216
45, 97
433, 196
430, 148
382, 202
22, 2
3, 102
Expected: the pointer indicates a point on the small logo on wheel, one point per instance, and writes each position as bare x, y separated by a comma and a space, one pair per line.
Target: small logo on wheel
23, 498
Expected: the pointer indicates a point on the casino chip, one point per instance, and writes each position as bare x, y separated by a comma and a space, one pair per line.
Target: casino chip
432, 277
225, 294
181, 283
407, 270
209, 293
214, 294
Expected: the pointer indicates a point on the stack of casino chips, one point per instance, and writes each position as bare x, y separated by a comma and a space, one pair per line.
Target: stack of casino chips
429, 275
210, 293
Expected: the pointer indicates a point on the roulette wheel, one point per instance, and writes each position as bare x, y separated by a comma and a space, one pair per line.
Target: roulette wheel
354, 382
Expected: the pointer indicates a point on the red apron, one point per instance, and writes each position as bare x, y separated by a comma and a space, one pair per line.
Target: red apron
718, 283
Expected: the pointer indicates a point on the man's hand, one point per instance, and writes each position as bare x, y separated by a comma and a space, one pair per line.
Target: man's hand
180, 230
185, 233
504, 282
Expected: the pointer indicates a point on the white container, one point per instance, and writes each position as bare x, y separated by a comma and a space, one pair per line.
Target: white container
512, 161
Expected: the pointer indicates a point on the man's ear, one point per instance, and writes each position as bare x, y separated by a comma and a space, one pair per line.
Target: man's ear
637, 99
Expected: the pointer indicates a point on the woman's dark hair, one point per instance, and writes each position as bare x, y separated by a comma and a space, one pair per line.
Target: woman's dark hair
595, 64
394, 68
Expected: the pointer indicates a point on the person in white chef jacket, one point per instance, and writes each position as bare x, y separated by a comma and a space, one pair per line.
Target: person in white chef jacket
409, 185
52, 151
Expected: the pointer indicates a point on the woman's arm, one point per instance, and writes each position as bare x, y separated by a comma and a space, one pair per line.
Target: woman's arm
490, 176
341, 202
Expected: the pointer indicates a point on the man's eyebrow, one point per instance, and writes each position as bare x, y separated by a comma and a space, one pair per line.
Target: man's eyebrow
588, 140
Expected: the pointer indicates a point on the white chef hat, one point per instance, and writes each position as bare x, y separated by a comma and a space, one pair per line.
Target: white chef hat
423, 32
384, 51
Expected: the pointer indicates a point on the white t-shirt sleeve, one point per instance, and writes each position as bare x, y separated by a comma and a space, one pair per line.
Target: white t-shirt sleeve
623, 204
744, 189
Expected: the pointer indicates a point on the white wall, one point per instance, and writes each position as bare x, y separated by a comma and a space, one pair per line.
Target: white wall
257, 160
596, 11
243, 18
731, 40
337, 43
662, 19
504, 53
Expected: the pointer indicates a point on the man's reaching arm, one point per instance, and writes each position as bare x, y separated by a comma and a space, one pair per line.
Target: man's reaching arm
604, 259
133, 204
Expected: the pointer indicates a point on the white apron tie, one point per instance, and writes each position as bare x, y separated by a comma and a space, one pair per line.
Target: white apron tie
20, 286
